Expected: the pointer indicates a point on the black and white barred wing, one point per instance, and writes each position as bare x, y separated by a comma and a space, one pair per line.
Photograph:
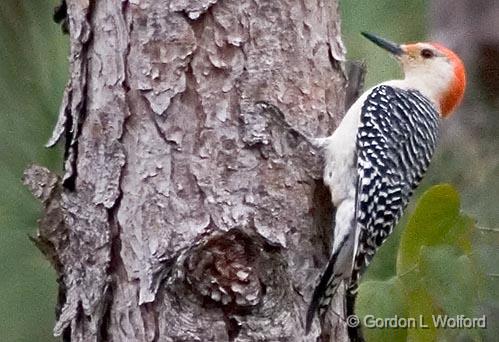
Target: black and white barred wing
396, 138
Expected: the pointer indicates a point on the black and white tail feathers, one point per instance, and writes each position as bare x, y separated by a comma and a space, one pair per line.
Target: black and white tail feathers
330, 279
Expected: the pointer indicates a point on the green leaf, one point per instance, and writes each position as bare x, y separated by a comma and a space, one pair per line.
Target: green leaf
377, 300
449, 278
421, 307
461, 234
435, 214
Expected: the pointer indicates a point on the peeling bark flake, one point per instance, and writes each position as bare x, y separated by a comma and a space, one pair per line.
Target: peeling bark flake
193, 8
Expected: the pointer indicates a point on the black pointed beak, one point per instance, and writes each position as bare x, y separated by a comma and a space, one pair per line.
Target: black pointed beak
389, 46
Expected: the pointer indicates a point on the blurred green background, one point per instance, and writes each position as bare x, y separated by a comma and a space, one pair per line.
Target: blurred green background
33, 71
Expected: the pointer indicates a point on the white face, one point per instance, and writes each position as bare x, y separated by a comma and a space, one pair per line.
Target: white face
425, 65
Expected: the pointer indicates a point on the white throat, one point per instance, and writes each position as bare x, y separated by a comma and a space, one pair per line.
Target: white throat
432, 80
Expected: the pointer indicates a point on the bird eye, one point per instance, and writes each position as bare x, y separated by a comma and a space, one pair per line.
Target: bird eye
427, 53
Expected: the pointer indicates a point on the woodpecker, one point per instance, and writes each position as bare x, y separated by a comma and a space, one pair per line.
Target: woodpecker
378, 155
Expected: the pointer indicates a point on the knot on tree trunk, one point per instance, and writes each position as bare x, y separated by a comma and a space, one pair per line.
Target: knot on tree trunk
225, 269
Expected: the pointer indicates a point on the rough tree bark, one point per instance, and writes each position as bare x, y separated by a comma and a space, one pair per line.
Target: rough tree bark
185, 213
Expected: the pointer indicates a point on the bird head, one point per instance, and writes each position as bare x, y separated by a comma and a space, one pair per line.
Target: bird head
432, 68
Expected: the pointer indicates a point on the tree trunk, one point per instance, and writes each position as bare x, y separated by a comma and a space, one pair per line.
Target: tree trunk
187, 213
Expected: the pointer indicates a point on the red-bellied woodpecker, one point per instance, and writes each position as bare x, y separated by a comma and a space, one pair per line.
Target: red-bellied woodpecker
378, 155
